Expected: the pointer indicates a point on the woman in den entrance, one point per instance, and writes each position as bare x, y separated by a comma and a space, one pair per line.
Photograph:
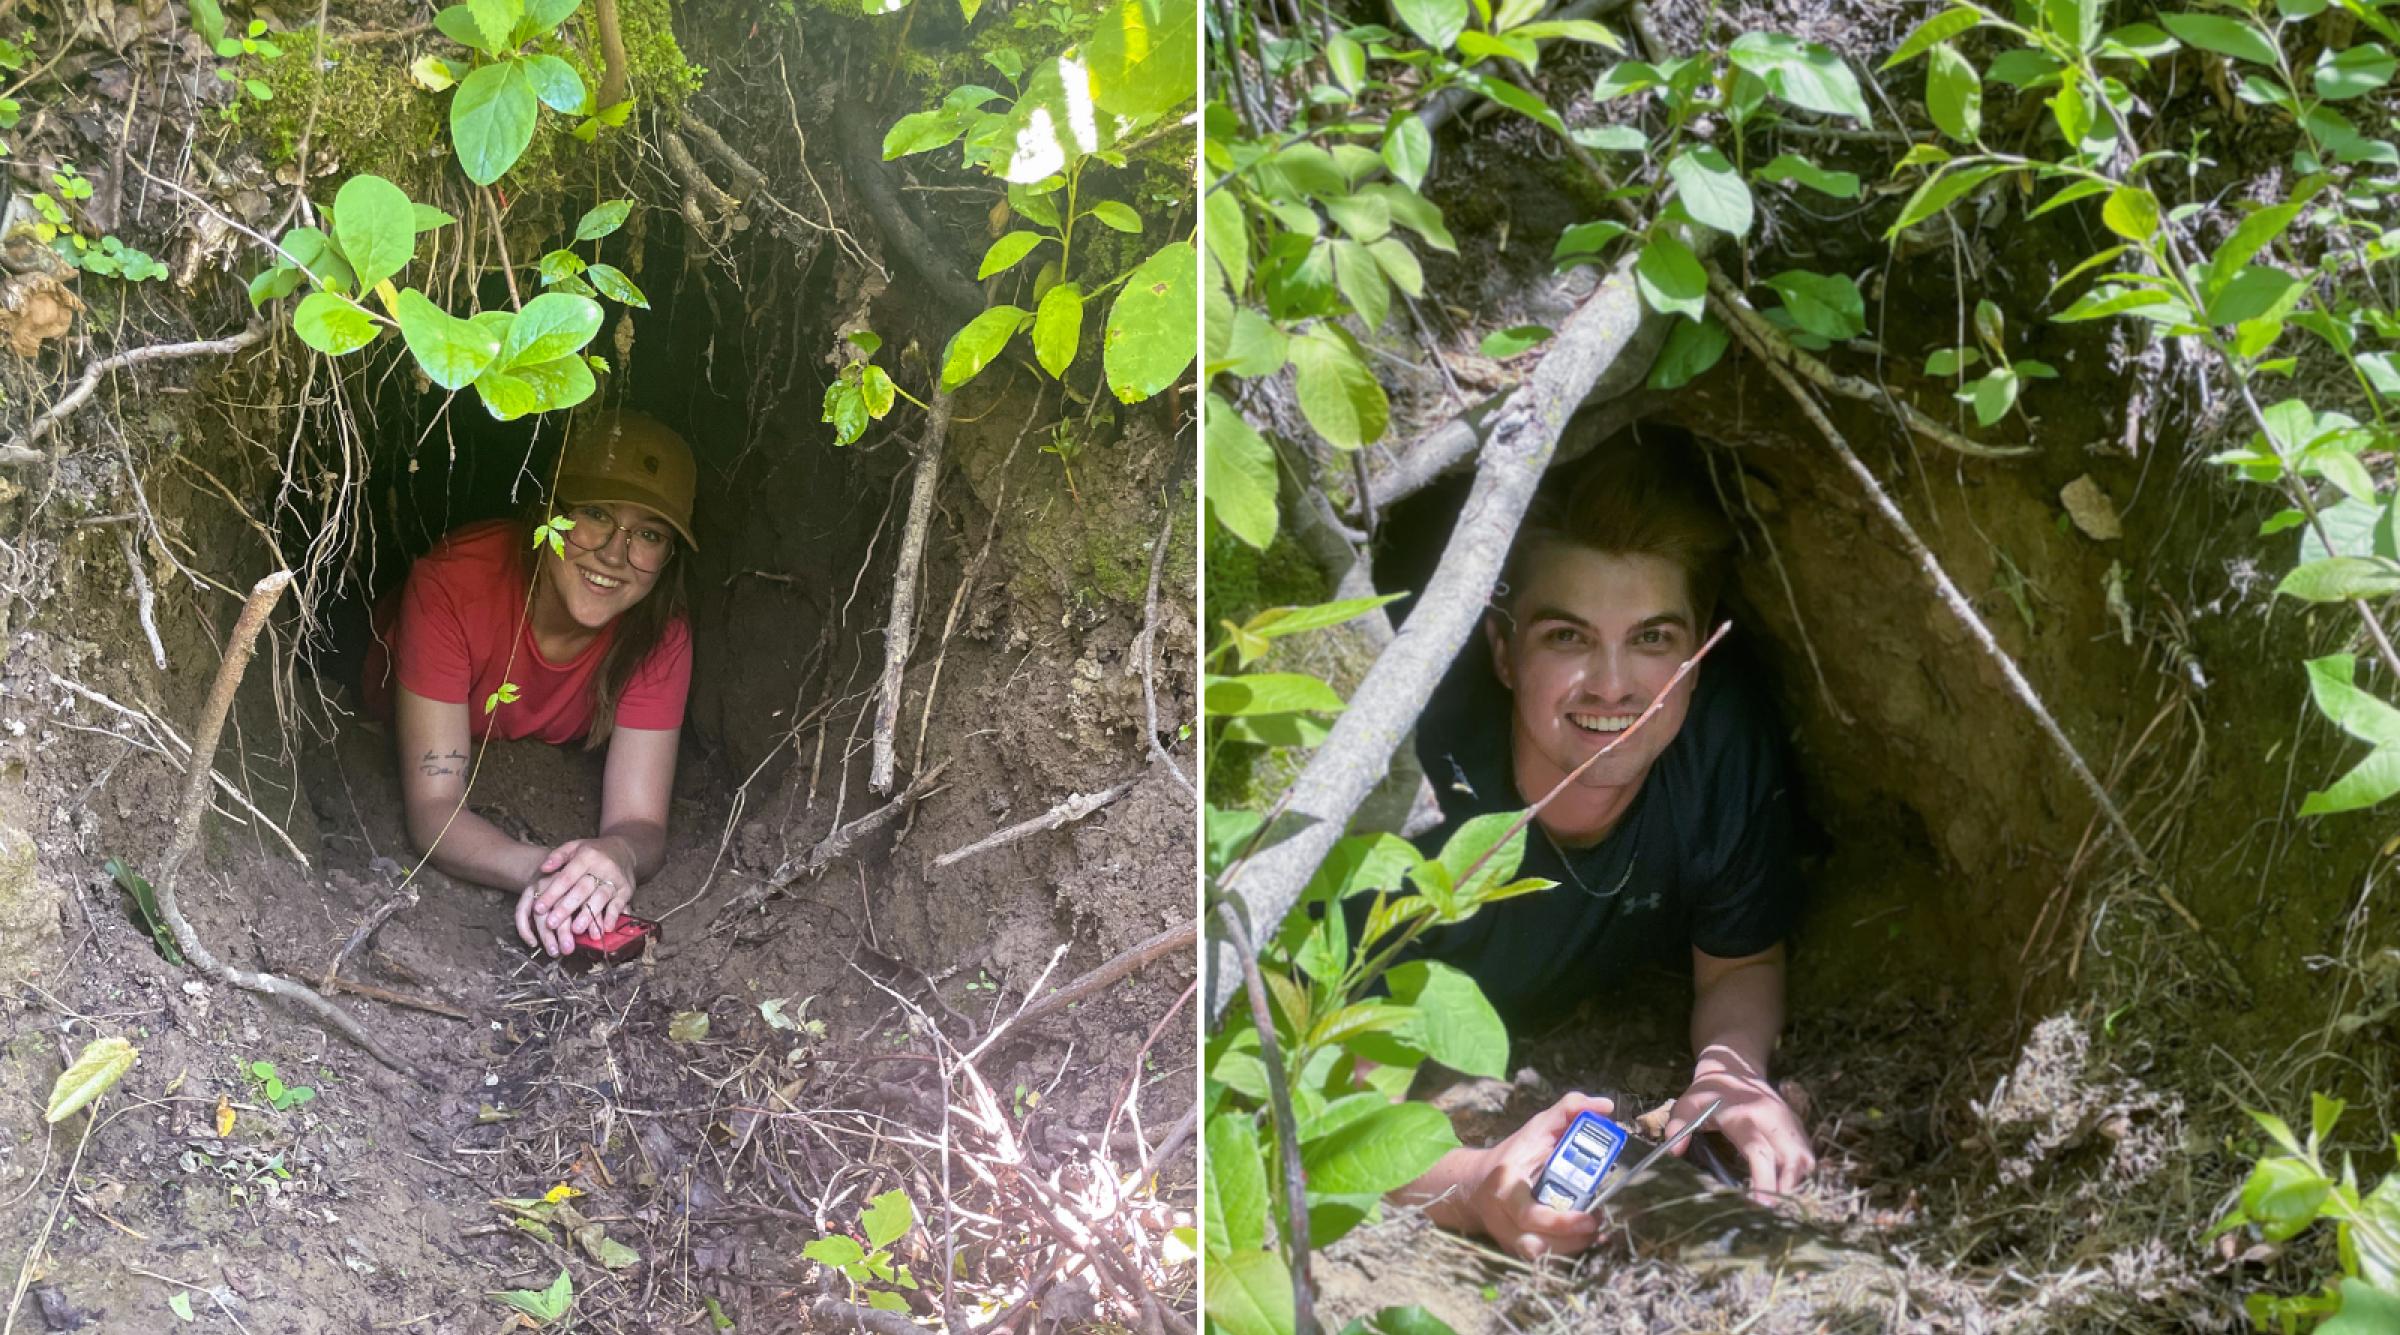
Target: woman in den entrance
584, 640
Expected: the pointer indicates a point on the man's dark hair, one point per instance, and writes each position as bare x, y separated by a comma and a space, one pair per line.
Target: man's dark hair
1631, 499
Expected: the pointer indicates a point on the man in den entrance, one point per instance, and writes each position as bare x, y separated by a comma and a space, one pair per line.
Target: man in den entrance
581, 639
1678, 844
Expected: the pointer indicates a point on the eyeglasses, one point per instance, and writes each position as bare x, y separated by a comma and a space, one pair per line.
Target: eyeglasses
647, 546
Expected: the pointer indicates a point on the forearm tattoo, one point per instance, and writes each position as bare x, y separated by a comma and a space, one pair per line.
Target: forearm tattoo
437, 766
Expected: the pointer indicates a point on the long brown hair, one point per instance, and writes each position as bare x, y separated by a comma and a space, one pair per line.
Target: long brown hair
636, 632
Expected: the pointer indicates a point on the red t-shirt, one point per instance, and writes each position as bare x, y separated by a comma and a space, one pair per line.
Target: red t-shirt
449, 639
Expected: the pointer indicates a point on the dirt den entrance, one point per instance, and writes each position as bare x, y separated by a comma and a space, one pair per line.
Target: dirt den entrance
974, 990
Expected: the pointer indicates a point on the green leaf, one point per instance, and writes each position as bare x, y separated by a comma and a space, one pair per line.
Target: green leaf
1249, 1292
491, 121
1383, 1151
920, 132
1954, 94
180, 1303
1256, 693
1993, 395
2225, 36
1437, 23
1237, 1185
1142, 56
2338, 579
1502, 344
1058, 328
602, 219
458, 24
1152, 333
561, 382
1671, 278
1007, 251
1940, 191
1252, 345
273, 283
1454, 1023
973, 347
886, 1218
496, 21
546, 1306
835, 1250
1228, 237
612, 283
452, 351
2131, 212
1792, 167
2354, 711
1239, 475
1940, 28
1338, 395
1518, 100
1692, 348
375, 225
1586, 239
2282, 1197
1362, 283
332, 324
2366, 1309
101, 1064
556, 83
544, 15
1804, 74
1827, 305
1116, 216
506, 397
552, 325
1407, 150
1711, 190
2354, 72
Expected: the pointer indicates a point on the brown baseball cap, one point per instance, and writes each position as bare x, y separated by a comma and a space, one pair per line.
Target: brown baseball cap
621, 457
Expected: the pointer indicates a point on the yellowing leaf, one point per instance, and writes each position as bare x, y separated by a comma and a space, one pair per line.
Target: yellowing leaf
224, 1117
101, 1064
559, 1193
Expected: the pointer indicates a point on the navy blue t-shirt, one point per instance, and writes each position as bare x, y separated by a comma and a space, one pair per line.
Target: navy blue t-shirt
1703, 858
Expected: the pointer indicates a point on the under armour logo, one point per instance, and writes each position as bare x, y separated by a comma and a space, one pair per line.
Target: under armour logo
1642, 903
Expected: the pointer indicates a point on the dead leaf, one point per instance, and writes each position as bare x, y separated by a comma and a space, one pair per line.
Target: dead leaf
224, 1117
35, 308
2091, 509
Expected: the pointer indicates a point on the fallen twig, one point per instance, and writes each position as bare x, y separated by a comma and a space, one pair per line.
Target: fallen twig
1075, 808
145, 606
238, 648
21, 451
337, 983
1355, 757
1167, 942
903, 625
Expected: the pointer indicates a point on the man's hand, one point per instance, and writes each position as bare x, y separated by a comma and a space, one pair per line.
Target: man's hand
1755, 1118
1491, 1190
585, 884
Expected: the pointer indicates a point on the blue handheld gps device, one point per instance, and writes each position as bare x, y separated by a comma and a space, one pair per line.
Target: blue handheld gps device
1584, 1155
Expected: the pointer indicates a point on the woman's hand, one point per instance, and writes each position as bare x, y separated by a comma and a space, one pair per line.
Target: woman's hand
584, 886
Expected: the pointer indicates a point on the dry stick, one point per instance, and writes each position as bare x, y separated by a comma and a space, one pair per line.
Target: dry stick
903, 625
404, 898
1148, 640
1959, 607
1168, 942
1279, 1095
1356, 756
238, 648
1075, 808
20, 451
145, 606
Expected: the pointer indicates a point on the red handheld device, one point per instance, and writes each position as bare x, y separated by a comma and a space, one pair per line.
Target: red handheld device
621, 942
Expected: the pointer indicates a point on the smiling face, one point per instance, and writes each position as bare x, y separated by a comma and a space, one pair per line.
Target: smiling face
1595, 638
593, 587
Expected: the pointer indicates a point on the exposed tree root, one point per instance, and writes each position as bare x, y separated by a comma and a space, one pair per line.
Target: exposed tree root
20, 451
862, 160
238, 648
1168, 942
903, 625
1075, 808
